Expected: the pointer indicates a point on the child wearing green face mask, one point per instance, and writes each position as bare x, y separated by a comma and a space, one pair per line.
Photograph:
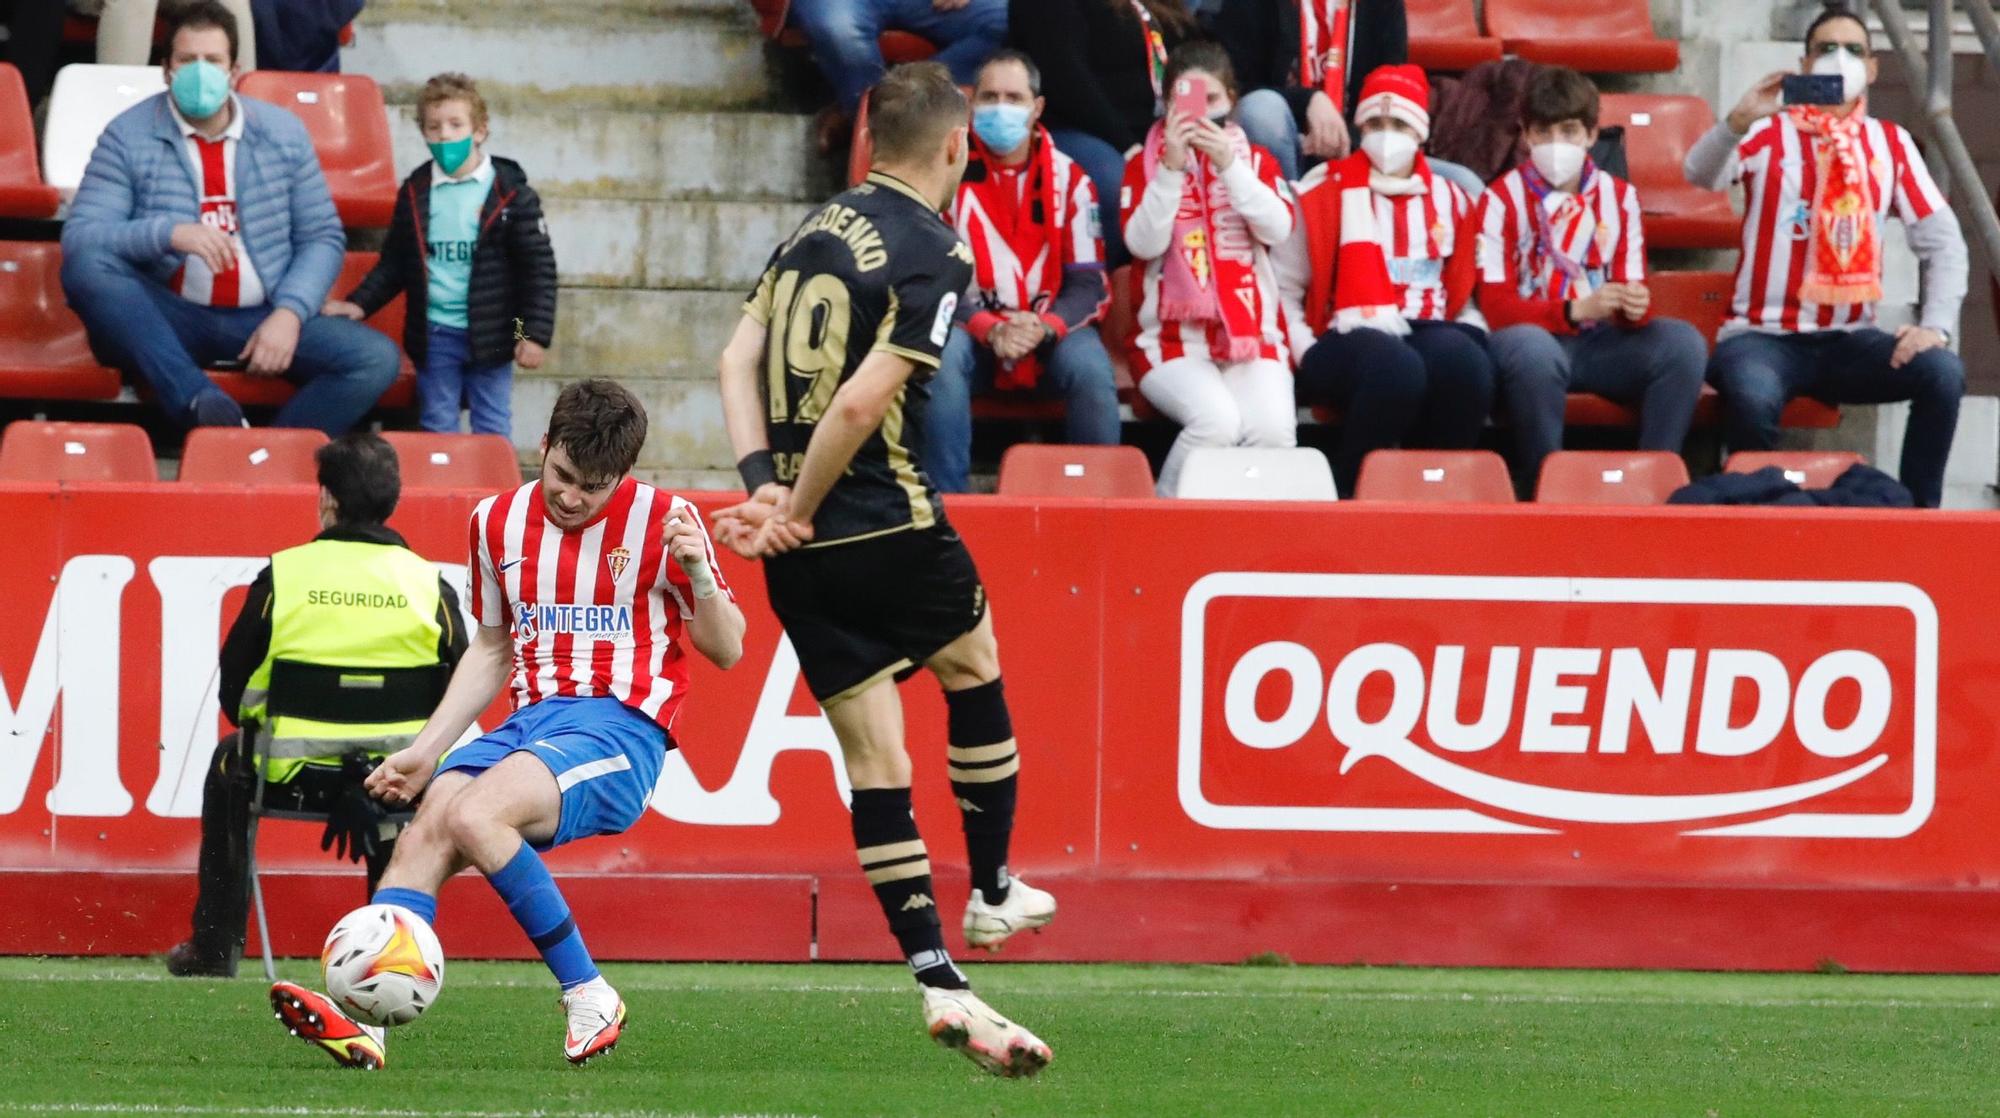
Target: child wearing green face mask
470, 249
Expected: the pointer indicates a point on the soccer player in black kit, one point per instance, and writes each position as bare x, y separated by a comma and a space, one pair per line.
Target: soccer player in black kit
823, 389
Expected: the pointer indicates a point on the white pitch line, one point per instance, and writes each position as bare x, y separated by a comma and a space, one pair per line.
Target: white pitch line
339, 1112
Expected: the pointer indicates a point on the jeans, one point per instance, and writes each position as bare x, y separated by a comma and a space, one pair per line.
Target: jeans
1075, 368
449, 379
1266, 118
1757, 374
1433, 388
1656, 367
1245, 404
340, 367
843, 36
1106, 167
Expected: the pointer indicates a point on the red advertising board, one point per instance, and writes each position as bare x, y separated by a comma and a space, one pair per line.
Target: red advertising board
1664, 737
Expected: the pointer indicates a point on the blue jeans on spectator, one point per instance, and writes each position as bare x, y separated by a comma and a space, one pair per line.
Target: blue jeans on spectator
450, 380
1758, 373
1656, 368
136, 324
843, 36
1266, 118
1433, 388
1076, 369
1106, 167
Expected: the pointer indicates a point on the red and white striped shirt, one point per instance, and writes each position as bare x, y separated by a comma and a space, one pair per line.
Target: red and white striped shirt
1609, 241
595, 611
214, 166
1776, 164
1016, 282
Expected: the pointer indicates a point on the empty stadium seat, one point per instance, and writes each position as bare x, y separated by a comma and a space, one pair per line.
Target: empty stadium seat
1659, 130
1701, 299
1256, 473
44, 353
349, 126
84, 100
1444, 35
437, 461
1586, 410
252, 455
258, 391
1807, 469
1597, 36
1610, 477
22, 191
1044, 470
1435, 476
32, 450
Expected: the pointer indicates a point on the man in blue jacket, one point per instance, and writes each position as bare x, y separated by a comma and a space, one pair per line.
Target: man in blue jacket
203, 233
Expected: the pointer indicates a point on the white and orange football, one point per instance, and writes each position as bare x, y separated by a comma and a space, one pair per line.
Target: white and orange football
383, 964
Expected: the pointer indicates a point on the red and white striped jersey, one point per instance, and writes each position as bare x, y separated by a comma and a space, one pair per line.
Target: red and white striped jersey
595, 611
1611, 226
1016, 282
214, 166
1420, 235
1776, 164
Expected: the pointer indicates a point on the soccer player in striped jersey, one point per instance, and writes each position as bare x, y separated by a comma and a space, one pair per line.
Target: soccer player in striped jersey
824, 390
589, 587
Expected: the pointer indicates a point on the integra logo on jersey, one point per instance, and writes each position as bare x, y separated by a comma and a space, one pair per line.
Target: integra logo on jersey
601, 623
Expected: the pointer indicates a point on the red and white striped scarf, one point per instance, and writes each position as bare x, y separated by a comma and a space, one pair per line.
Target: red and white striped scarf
1324, 42
1209, 273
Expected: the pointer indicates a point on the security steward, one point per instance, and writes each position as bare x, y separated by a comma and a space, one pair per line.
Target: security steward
356, 597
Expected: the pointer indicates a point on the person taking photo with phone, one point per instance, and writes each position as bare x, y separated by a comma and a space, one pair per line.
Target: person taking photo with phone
1819, 181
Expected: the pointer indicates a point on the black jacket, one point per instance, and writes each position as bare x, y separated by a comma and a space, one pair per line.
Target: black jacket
1863, 487
1095, 69
513, 267
1262, 38
250, 636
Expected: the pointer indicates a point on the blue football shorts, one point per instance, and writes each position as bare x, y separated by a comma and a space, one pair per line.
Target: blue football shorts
605, 756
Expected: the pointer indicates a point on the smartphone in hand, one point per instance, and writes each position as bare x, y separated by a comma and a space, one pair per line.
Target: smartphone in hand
1811, 89
1191, 96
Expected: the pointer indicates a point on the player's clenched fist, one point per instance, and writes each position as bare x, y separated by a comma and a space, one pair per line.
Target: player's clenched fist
762, 526
400, 778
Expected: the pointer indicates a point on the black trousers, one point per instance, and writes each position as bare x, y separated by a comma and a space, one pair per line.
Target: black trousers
222, 899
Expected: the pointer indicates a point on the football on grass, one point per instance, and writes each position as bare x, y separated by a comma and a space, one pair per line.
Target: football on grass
383, 965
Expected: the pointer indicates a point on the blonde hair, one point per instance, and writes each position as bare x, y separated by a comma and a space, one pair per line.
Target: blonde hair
452, 87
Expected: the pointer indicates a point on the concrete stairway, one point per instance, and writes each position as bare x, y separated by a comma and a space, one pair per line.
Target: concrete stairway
669, 165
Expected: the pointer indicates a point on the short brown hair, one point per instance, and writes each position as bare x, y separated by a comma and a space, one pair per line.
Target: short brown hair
1556, 94
359, 469
452, 87
1204, 56
600, 425
199, 16
912, 109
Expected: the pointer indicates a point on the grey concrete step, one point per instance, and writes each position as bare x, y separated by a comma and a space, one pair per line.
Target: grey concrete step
629, 332
667, 244
692, 481
622, 153
684, 420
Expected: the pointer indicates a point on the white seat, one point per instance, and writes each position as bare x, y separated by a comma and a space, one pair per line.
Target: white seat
1256, 473
84, 100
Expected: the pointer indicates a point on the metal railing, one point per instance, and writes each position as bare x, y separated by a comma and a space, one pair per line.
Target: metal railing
1934, 75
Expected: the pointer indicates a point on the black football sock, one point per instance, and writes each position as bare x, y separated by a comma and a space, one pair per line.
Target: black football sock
984, 770
892, 855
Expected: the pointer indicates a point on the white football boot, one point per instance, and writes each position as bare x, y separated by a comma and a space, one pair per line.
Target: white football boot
1026, 908
596, 1018
958, 1019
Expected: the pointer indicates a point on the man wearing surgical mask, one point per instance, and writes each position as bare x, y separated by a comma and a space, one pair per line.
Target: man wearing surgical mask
1820, 181
1562, 280
1030, 215
203, 235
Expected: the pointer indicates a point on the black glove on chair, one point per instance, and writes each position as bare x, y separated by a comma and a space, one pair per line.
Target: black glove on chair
357, 826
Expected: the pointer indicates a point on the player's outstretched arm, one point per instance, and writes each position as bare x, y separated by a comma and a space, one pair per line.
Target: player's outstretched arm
475, 683
742, 403
856, 411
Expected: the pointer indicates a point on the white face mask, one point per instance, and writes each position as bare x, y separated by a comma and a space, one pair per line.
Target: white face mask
1391, 152
1853, 73
1558, 162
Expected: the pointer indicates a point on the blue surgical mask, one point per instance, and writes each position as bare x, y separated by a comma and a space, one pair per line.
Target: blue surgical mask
1001, 127
200, 88
451, 154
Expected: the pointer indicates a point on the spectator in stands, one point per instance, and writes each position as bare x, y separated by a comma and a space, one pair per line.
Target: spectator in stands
1102, 63
843, 37
170, 273
125, 29
1204, 208
302, 35
1821, 182
1030, 216
1381, 265
469, 248
1562, 263
1303, 61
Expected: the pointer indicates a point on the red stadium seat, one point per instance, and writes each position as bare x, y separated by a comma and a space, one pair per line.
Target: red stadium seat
22, 191
32, 450
1807, 469
350, 131
256, 391
436, 461
771, 16
1109, 472
1435, 477
904, 46
1659, 130
1701, 299
1610, 477
1445, 36
44, 353
1597, 36
252, 455
862, 153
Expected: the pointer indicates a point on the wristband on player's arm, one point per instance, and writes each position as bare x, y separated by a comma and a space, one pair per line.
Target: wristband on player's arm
757, 469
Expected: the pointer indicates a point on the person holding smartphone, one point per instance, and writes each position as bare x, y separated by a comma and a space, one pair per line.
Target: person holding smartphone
1820, 179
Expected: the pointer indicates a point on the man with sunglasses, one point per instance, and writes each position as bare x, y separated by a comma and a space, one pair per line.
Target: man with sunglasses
1819, 182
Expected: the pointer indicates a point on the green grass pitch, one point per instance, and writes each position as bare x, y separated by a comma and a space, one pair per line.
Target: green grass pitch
116, 1037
